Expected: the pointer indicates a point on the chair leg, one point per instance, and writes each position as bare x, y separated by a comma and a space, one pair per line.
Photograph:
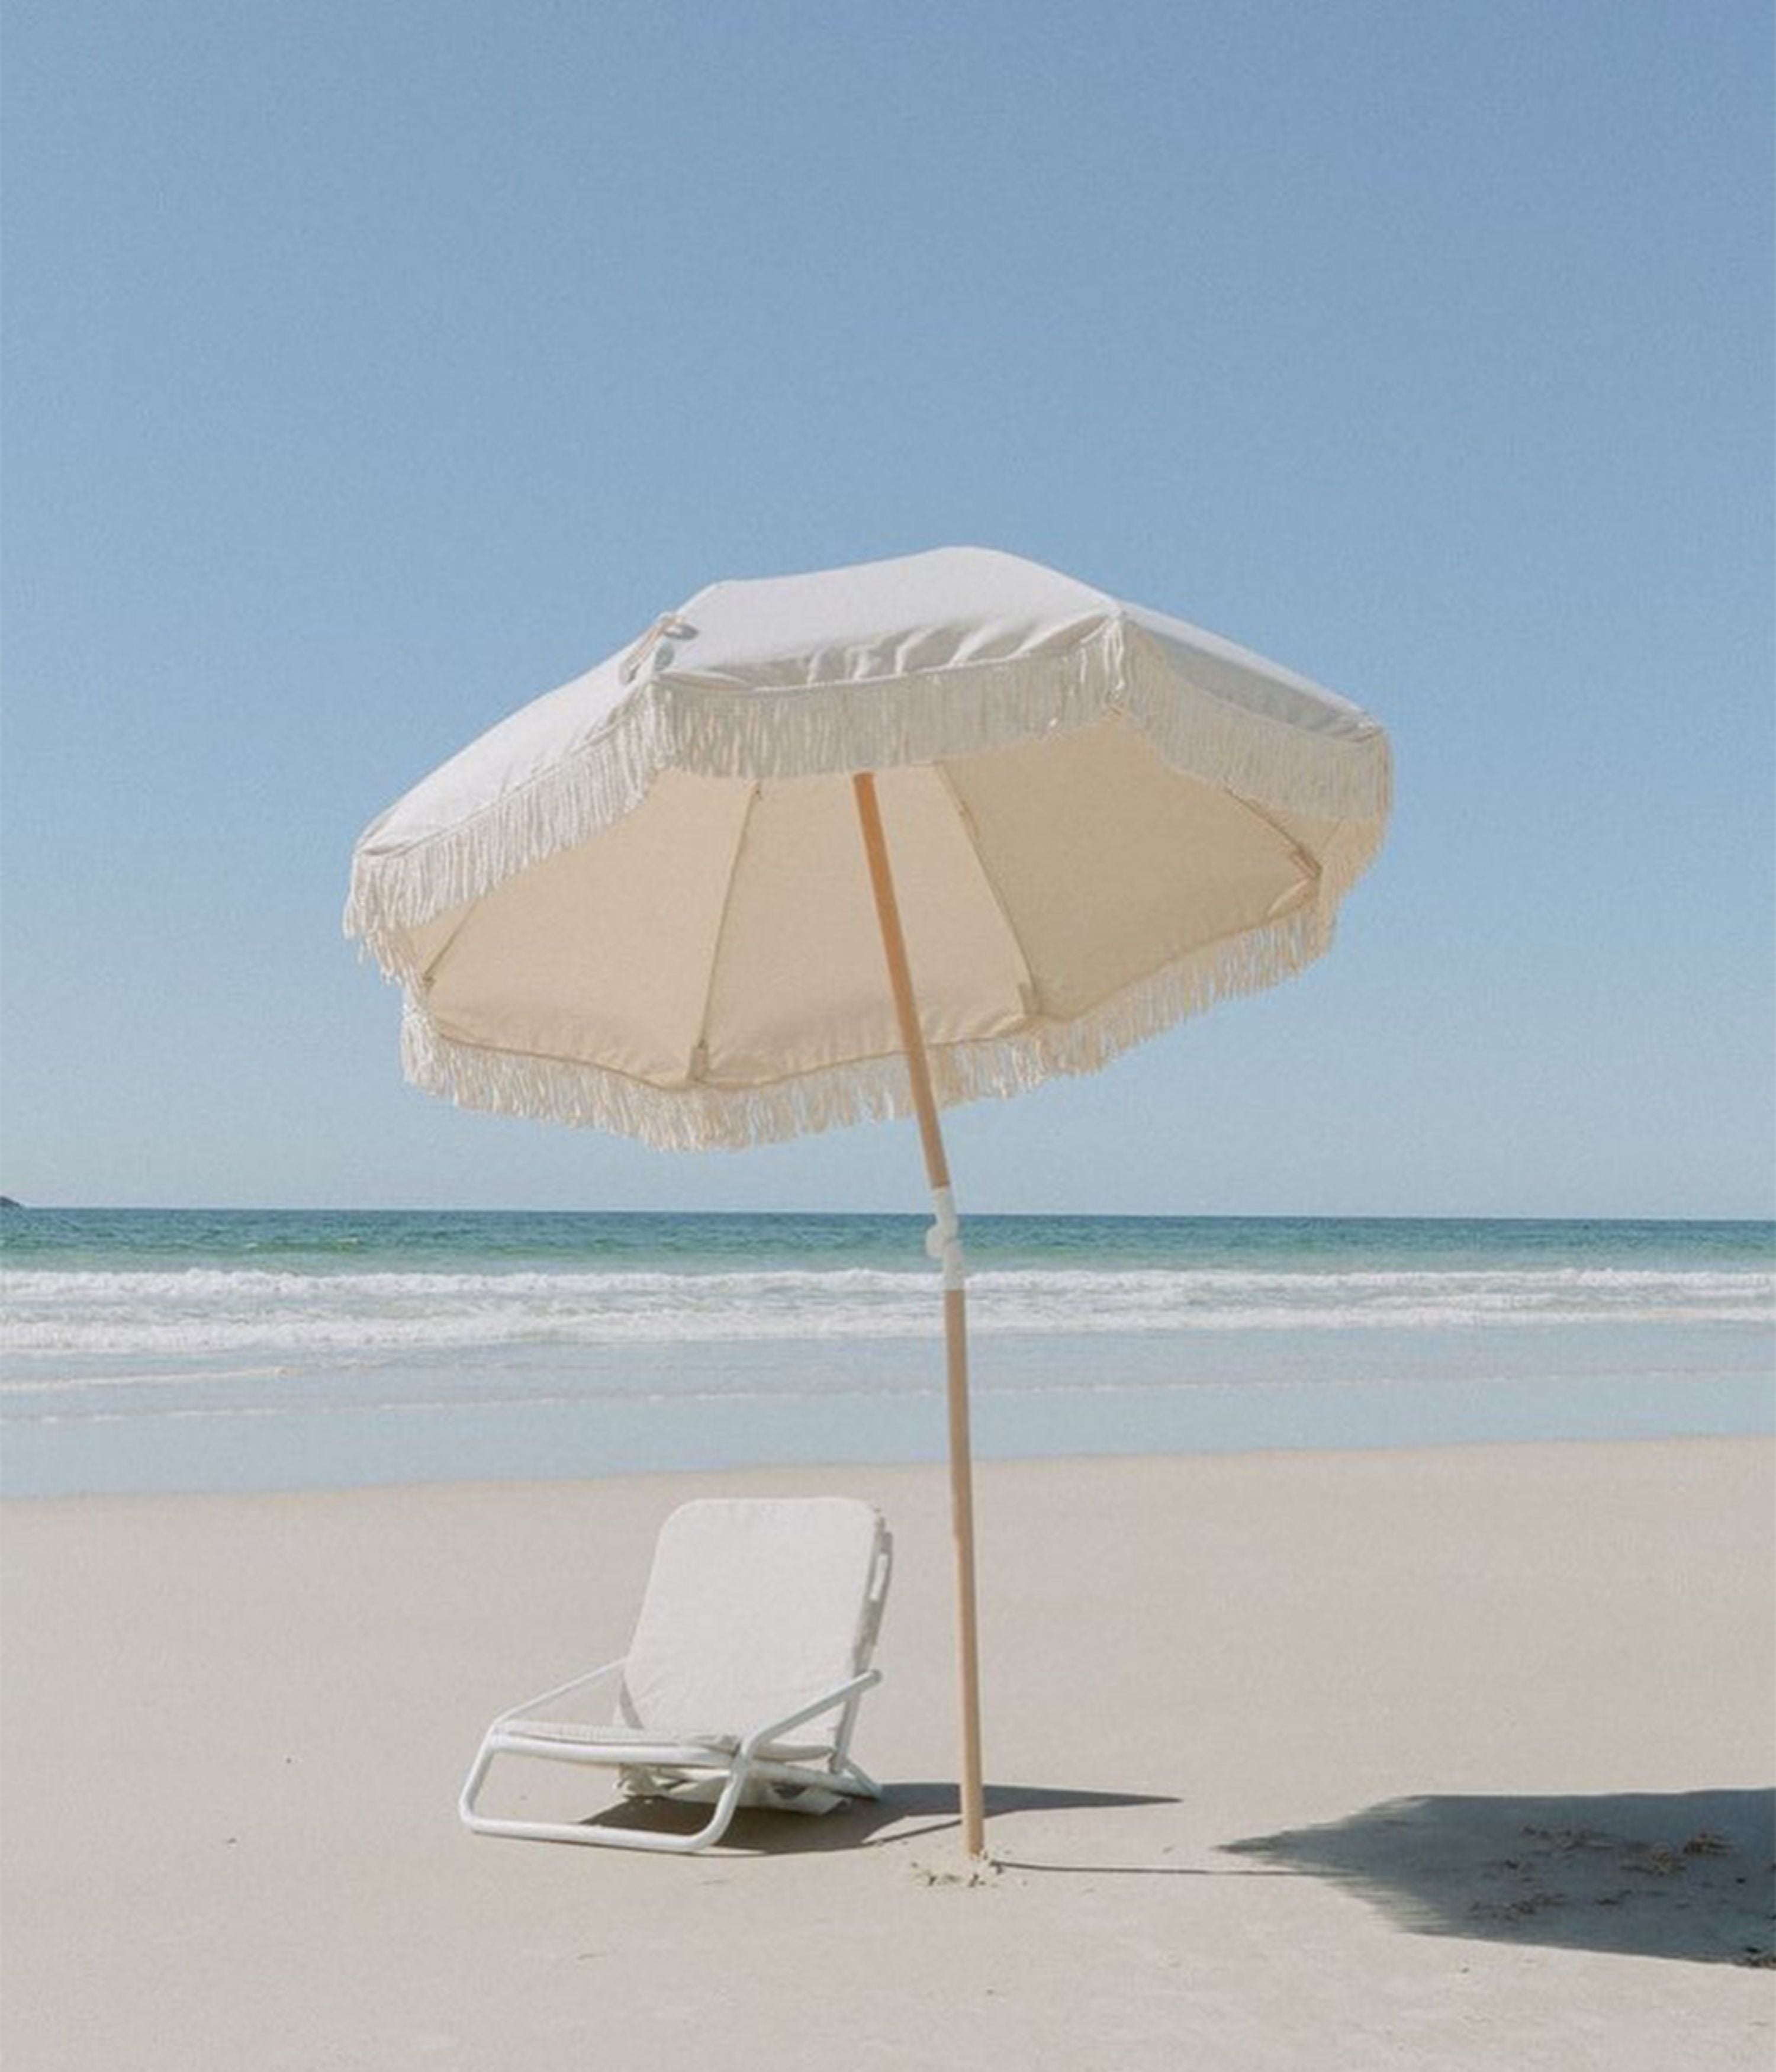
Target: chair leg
594, 1837
856, 1780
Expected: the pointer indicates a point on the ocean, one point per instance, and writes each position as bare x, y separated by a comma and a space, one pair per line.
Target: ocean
194, 1350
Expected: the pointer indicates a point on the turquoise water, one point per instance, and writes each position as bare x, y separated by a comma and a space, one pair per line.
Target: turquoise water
218, 1349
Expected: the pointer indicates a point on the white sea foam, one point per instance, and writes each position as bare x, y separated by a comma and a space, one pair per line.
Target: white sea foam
49, 1317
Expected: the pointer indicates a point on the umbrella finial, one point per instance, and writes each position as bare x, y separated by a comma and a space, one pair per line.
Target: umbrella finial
648, 648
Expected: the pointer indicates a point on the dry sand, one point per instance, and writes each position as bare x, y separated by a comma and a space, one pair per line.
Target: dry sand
1460, 1759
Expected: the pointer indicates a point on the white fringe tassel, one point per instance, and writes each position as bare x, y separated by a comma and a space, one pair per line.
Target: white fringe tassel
702, 1116
825, 730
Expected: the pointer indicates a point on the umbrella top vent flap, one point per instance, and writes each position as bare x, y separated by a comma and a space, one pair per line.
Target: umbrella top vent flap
635, 903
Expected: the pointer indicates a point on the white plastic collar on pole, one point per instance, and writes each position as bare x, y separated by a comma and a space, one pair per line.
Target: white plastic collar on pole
943, 1239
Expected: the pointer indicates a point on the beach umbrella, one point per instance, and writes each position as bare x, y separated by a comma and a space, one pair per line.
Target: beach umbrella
861, 843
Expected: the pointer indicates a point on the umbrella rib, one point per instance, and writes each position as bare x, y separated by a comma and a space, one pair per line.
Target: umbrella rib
1030, 1001
444, 949
1311, 865
700, 1048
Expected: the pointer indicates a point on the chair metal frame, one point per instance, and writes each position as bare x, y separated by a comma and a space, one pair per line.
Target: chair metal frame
754, 1767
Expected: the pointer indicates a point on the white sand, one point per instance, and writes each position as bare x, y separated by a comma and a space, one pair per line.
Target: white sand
234, 1728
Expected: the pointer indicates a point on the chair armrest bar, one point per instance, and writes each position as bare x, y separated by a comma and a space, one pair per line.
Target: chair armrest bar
756, 1740
560, 1690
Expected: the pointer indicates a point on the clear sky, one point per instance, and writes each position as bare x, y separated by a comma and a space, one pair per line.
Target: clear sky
371, 367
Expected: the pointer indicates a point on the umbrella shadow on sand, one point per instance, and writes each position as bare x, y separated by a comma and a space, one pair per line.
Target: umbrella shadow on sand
1689, 1875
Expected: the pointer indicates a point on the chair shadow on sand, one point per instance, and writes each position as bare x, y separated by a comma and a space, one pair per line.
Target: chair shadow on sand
904, 1813
1689, 1875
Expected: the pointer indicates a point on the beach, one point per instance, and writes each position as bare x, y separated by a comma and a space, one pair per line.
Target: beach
1012, 776
1422, 1757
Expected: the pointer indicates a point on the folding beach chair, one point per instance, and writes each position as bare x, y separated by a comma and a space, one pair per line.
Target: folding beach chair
741, 1685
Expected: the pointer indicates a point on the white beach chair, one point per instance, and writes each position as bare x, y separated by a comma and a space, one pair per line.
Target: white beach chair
742, 1684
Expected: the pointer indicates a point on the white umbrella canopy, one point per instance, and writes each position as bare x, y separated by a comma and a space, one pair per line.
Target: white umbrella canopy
658, 900
638, 902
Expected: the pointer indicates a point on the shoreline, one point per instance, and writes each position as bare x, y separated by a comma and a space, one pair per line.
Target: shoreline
1292, 1757
849, 1471
1043, 1400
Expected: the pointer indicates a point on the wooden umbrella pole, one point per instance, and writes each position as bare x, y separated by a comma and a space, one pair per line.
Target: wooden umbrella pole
956, 1325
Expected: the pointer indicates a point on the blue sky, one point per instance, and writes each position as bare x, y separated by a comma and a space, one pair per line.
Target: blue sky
371, 368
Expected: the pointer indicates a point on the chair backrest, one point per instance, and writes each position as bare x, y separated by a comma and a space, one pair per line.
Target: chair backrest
753, 1608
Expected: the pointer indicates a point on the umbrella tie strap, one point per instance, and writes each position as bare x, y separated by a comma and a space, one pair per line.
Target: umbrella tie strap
667, 627
943, 1239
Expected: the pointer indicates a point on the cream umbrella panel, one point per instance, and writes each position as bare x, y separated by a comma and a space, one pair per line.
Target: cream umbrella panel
864, 843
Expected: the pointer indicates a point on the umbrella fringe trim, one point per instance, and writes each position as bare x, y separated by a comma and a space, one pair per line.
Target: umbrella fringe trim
703, 1117
826, 730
